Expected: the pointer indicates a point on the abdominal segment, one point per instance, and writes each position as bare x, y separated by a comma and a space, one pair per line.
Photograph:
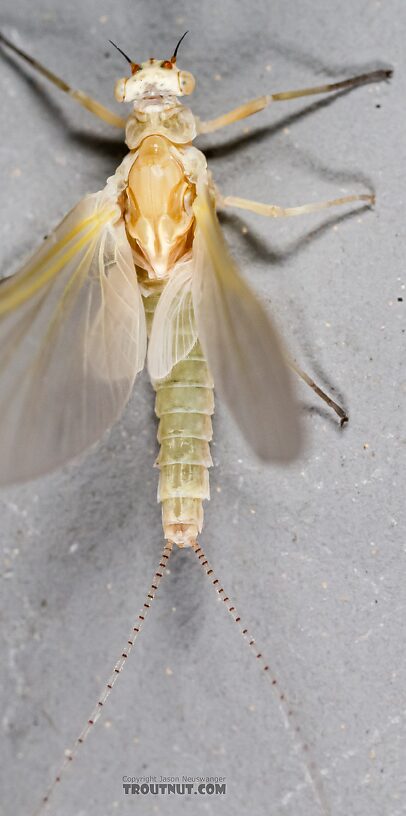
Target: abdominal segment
159, 205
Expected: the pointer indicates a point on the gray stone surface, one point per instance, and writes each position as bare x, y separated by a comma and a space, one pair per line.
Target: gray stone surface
313, 555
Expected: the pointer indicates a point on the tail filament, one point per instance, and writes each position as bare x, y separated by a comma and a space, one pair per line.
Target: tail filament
70, 754
289, 716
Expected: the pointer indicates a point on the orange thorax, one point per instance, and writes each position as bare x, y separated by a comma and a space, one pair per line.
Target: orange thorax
159, 211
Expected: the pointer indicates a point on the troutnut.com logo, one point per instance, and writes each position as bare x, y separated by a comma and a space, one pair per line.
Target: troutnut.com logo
174, 785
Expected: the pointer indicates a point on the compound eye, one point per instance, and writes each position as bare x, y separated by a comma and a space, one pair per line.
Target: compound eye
186, 82
120, 89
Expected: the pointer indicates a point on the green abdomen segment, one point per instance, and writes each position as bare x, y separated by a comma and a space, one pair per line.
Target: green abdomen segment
184, 404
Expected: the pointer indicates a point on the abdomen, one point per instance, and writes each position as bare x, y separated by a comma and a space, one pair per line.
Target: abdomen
184, 405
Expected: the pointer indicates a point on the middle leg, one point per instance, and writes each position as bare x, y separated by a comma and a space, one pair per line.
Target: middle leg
274, 211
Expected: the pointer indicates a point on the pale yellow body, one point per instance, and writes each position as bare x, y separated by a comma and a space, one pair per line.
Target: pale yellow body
160, 227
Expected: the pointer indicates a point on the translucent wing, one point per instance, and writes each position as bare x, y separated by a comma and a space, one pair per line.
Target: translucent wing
241, 345
174, 331
72, 338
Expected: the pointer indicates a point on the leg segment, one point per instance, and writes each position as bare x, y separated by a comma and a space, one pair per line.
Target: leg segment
235, 115
86, 101
262, 102
362, 79
273, 211
317, 390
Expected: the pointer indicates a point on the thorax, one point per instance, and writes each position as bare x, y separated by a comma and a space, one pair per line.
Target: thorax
160, 189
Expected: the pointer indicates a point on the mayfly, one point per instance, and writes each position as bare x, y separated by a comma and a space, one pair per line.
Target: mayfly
143, 262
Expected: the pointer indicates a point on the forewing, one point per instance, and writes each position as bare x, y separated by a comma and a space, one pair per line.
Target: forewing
72, 338
241, 344
173, 332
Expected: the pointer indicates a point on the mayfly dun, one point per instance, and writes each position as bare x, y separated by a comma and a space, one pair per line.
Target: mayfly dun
140, 271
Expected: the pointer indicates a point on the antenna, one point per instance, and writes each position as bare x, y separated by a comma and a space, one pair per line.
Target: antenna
175, 53
126, 57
